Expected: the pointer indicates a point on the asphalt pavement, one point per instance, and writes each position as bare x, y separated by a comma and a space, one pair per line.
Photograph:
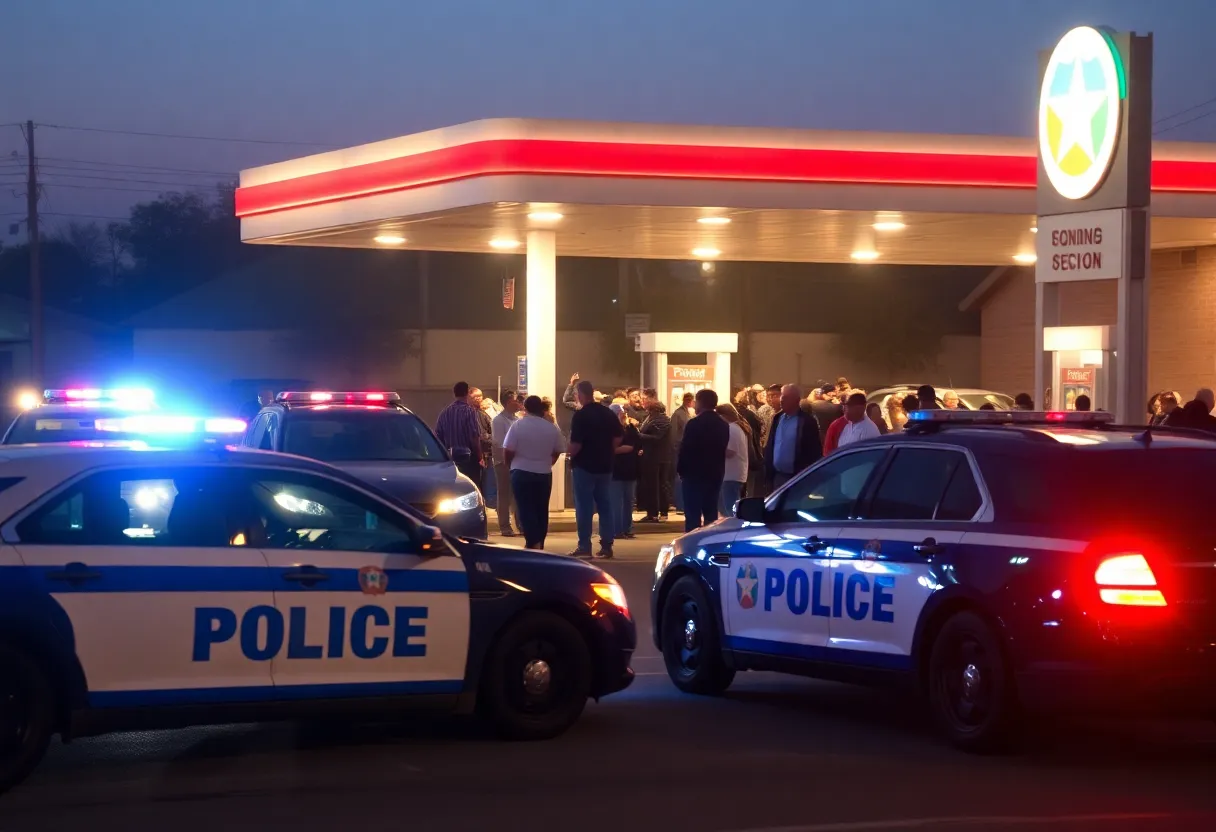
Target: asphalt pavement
776, 754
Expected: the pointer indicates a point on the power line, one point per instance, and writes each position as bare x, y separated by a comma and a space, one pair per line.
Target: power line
166, 189
84, 216
1183, 112
148, 134
1199, 117
57, 159
67, 175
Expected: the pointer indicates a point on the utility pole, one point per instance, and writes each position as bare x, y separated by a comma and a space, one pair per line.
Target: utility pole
31, 208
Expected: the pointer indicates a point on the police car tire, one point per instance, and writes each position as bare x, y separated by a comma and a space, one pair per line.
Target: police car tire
993, 733
15, 666
573, 667
711, 677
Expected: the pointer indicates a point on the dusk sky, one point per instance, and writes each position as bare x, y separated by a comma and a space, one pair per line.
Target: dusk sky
339, 73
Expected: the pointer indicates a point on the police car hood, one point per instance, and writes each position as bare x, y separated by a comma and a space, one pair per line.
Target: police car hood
514, 562
412, 482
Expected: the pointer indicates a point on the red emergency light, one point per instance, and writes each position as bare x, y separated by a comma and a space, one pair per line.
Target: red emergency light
331, 397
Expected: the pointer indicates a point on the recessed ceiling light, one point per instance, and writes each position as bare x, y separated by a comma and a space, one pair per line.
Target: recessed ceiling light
705, 252
1034, 229
503, 243
864, 255
889, 225
389, 239
545, 216
1025, 258
714, 220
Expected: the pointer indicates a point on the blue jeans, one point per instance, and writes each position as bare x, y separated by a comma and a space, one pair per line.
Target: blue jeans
701, 499
732, 492
531, 492
593, 495
623, 493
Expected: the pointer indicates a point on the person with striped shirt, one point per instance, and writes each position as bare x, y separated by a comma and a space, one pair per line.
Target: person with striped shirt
458, 428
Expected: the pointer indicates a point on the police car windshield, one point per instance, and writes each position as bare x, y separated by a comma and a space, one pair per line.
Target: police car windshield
38, 427
360, 435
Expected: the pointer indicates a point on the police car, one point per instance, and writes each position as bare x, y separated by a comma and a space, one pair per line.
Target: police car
145, 588
371, 435
71, 414
999, 563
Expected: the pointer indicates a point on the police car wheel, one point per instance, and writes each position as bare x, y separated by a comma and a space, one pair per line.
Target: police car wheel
970, 691
691, 642
537, 679
27, 715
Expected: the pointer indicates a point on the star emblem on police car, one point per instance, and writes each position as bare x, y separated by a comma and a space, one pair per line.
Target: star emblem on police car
373, 580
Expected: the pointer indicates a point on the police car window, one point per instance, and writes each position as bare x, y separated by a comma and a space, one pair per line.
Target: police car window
358, 434
830, 491
254, 434
913, 484
268, 431
179, 507
37, 426
304, 512
962, 498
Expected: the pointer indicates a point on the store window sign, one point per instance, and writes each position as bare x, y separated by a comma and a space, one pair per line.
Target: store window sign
687, 378
1080, 110
1074, 382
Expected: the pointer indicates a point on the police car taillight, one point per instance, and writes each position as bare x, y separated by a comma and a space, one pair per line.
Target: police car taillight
330, 397
1127, 580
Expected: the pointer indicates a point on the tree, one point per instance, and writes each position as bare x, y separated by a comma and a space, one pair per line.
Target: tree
88, 239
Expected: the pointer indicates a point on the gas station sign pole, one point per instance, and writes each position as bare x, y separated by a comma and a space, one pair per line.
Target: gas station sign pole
1093, 195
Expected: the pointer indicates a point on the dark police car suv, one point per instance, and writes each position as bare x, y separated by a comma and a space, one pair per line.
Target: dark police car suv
999, 562
372, 436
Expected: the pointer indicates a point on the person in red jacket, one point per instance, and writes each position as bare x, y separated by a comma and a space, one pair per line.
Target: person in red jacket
852, 427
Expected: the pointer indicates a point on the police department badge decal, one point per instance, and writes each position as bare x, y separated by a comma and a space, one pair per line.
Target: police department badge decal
747, 583
872, 550
372, 580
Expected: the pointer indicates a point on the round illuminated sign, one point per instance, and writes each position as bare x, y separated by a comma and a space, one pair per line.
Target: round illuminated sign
1080, 108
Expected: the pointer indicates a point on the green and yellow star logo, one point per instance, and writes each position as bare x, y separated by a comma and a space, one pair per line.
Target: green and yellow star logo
1080, 107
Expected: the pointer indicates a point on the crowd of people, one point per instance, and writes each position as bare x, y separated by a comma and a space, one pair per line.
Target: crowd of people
627, 454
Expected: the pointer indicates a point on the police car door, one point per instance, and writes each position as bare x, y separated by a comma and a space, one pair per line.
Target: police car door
362, 609
154, 577
781, 599
896, 555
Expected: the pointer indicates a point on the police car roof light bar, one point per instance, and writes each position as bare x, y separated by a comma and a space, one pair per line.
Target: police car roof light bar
124, 396
1011, 417
329, 397
169, 425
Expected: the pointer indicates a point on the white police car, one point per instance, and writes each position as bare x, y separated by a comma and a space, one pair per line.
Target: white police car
144, 588
71, 414
996, 562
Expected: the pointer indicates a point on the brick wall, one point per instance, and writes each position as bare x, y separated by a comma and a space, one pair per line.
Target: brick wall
1181, 326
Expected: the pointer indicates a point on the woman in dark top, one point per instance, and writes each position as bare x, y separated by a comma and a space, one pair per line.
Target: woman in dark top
625, 475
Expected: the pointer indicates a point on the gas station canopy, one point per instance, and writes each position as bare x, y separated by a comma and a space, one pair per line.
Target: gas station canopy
692, 193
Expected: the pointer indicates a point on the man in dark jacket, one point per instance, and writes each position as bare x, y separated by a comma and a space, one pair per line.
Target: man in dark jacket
679, 420
702, 463
793, 440
1195, 414
826, 408
655, 463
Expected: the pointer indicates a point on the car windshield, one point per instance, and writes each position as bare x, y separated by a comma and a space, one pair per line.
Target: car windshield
360, 435
36, 427
976, 400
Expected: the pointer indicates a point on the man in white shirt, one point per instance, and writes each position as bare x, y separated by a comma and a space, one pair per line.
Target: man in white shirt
502, 471
857, 425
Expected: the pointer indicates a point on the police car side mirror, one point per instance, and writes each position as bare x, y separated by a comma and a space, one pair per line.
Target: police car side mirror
430, 540
461, 456
750, 509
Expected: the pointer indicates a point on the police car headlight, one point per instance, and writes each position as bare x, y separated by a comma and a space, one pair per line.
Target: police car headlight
613, 593
666, 553
465, 502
